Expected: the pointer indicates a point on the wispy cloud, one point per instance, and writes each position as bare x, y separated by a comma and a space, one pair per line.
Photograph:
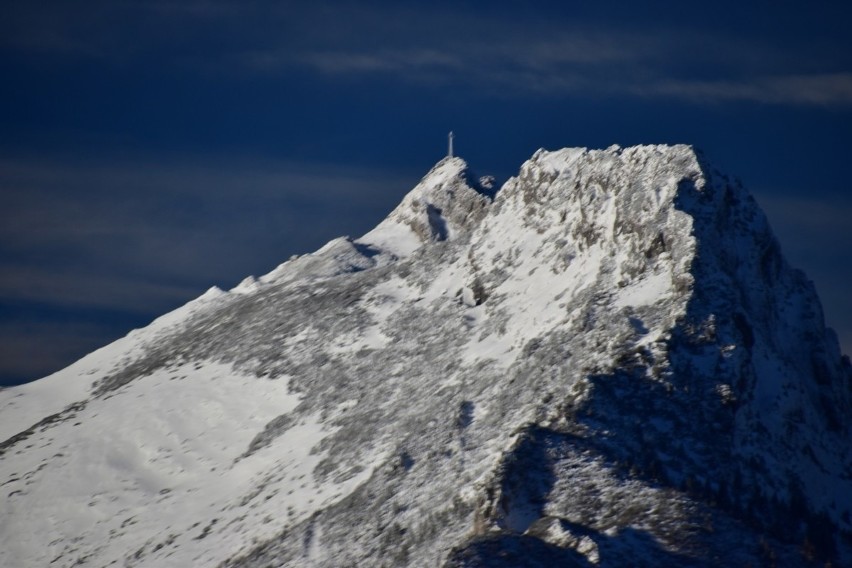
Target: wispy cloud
833, 89
519, 74
697, 68
332, 62
506, 53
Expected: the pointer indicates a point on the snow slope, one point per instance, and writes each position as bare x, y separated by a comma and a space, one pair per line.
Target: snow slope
606, 362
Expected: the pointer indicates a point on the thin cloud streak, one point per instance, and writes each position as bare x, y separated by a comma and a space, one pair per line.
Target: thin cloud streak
610, 65
484, 55
833, 89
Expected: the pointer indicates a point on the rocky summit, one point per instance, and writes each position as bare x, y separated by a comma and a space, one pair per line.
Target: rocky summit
604, 362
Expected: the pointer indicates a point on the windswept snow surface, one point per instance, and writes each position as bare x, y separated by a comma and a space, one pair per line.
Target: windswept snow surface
607, 362
25, 405
154, 472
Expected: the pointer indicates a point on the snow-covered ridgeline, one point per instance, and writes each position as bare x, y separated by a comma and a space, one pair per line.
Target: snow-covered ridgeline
589, 357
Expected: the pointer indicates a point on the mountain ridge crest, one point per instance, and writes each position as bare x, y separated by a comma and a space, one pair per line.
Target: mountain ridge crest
605, 361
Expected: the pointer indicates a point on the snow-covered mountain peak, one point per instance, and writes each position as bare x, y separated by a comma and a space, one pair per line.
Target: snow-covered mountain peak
606, 362
446, 204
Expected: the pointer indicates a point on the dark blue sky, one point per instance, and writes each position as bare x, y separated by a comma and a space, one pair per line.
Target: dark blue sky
150, 150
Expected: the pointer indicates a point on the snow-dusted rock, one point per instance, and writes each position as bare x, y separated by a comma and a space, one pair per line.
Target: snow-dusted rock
446, 204
608, 362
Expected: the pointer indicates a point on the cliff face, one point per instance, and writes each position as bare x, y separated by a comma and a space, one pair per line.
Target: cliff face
607, 361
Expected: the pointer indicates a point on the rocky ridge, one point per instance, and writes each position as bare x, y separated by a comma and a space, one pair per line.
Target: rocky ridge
607, 361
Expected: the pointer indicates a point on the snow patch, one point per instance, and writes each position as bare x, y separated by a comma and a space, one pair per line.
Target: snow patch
644, 292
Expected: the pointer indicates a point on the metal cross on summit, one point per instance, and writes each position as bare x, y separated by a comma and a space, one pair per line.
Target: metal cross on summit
450, 137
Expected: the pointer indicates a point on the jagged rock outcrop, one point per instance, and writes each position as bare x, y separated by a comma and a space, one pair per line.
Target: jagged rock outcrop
608, 362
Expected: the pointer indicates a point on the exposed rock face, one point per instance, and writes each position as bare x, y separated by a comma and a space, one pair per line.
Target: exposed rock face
445, 205
607, 362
